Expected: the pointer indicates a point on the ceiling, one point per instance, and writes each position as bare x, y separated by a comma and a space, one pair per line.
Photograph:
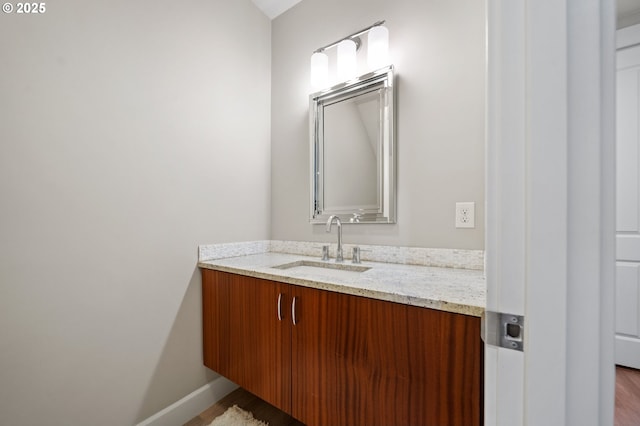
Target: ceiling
273, 8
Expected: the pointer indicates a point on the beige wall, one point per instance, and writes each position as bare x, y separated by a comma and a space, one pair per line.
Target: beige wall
130, 132
438, 48
628, 20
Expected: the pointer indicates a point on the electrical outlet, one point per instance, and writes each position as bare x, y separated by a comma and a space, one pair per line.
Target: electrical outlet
466, 215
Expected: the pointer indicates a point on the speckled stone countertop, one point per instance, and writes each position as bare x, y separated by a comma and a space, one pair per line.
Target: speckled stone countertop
447, 289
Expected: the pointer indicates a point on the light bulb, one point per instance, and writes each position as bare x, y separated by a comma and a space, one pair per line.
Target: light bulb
378, 50
347, 62
319, 70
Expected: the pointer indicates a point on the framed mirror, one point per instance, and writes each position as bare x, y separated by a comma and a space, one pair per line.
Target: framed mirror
353, 150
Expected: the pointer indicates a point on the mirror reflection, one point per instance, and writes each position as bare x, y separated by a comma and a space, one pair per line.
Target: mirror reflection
351, 153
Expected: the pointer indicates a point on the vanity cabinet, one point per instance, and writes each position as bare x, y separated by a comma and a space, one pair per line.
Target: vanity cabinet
338, 359
243, 338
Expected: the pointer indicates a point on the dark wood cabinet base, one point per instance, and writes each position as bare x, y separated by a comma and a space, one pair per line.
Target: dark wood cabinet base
347, 360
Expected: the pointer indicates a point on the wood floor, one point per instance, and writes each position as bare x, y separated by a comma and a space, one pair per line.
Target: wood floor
627, 404
627, 397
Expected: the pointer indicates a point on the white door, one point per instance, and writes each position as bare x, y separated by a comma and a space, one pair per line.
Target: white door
550, 195
628, 201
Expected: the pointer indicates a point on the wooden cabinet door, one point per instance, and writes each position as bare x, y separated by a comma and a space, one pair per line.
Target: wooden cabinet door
359, 361
446, 361
250, 341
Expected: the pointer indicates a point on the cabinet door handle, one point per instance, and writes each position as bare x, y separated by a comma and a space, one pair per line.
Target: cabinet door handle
280, 307
293, 311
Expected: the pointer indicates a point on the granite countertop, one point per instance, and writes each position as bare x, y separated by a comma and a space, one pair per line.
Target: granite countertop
448, 289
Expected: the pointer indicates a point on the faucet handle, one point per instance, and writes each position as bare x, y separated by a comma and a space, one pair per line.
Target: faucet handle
325, 252
355, 257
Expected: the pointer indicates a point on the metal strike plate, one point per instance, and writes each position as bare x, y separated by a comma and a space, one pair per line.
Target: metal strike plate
503, 330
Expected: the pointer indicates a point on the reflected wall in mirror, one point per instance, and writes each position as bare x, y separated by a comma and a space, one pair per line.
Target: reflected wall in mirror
353, 150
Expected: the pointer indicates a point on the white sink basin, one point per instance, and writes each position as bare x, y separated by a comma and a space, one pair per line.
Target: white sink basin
328, 268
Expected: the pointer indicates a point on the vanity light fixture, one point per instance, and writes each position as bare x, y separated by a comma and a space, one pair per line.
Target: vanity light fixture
377, 55
347, 60
319, 70
378, 47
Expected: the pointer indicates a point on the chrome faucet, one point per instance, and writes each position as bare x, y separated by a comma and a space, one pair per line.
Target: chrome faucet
332, 218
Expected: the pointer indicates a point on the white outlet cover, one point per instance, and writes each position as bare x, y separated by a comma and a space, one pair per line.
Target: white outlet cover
466, 215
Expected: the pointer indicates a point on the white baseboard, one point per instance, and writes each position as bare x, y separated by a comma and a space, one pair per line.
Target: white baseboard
628, 351
191, 405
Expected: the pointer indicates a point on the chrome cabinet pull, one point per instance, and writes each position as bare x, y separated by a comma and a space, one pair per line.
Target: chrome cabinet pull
293, 311
280, 307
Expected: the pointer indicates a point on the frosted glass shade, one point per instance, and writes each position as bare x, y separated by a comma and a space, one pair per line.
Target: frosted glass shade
347, 61
378, 50
319, 71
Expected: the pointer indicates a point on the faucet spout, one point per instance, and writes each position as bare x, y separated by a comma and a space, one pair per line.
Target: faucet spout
336, 219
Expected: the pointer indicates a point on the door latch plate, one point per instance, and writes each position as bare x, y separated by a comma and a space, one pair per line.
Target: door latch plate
503, 330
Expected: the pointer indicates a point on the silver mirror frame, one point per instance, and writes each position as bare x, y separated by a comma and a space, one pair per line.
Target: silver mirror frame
383, 80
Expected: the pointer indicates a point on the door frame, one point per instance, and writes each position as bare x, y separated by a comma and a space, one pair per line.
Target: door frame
550, 203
